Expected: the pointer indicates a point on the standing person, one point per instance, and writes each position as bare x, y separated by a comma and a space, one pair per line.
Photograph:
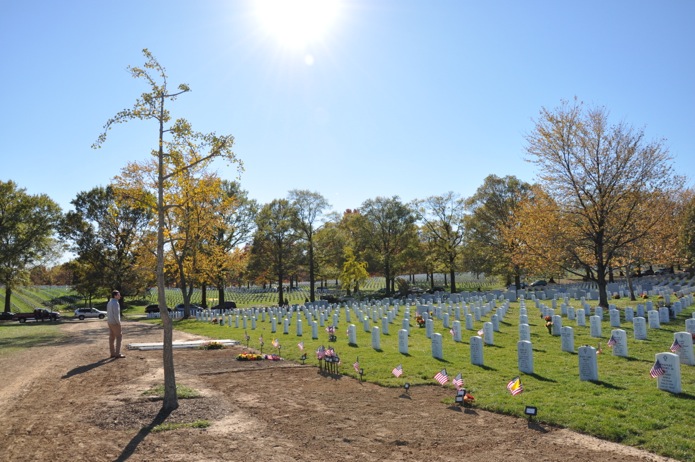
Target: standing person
113, 318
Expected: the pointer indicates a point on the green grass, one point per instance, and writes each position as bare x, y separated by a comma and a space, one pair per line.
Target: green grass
182, 391
16, 336
624, 405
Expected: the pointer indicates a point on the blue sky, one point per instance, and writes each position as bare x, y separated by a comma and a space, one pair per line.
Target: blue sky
403, 97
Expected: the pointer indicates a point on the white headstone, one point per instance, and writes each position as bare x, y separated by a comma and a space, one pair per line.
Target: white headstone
524, 332
595, 326
429, 328
629, 314
376, 338
663, 314
469, 321
403, 341
581, 317
639, 324
620, 346
437, 346
352, 335
488, 335
494, 319
300, 328
476, 351
683, 344
557, 325
614, 318
671, 379
588, 365
314, 330
457, 330
366, 325
654, 322
285, 326
567, 339
525, 356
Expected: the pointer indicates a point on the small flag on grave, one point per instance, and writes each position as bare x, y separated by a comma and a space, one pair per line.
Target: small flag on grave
451, 331
441, 377
611, 341
514, 386
300, 345
458, 381
356, 365
657, 370
276, 343
260, 340
320, 352
481, 332
675, 346
330, 329
598, 349
397, 371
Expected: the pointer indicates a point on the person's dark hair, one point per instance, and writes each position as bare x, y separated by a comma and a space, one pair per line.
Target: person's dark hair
114, 293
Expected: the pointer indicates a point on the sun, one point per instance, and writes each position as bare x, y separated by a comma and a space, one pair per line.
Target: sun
297, 23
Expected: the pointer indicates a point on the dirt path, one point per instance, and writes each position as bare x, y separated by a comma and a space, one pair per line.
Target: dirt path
67, 401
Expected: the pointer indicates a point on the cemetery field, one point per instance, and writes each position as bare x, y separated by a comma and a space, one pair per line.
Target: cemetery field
622, 404
64, 400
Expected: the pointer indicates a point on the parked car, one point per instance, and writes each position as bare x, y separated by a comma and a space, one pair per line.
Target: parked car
194, 308
225, 306
539, 283
82, 313
154, 309
39, 314
6, 315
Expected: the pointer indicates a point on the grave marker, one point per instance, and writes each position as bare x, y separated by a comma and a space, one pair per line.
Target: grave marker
476, 351
588, 365
567, 339
525, 356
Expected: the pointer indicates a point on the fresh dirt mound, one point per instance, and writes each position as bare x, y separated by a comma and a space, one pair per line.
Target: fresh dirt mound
66, 401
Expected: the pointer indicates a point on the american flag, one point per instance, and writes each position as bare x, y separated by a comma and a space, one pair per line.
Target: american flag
451, 331
300, 345
276, 343
260, 339
675, 346
441, 377
330, 329
481, 332
397, 371
458, 381
514, 386
611, 341
356, 365
321, 352
657, 370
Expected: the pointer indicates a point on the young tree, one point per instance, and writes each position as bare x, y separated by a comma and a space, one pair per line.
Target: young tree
443, 218
354, 272
27, 224
309, 207
152, 105
604, 179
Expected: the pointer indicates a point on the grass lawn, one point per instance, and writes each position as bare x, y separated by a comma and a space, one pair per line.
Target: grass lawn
624, 405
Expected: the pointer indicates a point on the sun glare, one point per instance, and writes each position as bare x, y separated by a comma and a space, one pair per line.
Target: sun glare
297, 23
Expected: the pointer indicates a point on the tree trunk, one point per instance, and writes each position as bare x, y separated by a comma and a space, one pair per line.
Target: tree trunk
204, 295
220, 294
312, 276
170, 397
8, 297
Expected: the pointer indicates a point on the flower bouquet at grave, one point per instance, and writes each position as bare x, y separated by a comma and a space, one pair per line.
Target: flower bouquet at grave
212, 346
249, 357
420, 320
214, 321
549, 324
272, 357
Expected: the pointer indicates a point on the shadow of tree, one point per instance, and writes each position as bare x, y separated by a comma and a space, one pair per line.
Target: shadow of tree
133, 444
